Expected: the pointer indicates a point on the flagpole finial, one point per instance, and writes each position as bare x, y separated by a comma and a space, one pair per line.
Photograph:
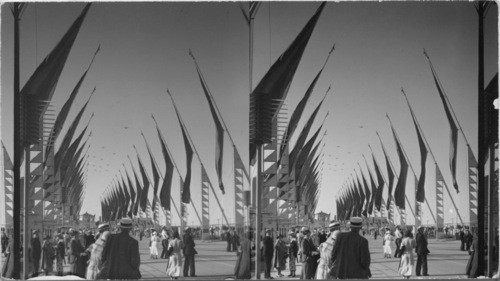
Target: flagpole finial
425, 54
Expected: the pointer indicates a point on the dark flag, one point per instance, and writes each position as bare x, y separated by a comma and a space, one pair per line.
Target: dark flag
278, 78
367, 194
219, 144
186, 192
145, 188
390, 174
453, 132
381, 183
420, 197
41, 85
132, 195
399, 193
165, 192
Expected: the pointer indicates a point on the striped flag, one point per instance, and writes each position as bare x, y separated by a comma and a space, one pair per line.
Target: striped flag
276, 82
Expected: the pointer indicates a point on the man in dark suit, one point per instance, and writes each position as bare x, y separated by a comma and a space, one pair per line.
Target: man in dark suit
36, 252
268, 251
310, 256
351, 255
189, 253
120, 256
422, 252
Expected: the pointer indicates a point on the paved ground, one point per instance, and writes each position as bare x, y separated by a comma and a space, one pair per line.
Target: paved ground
214, 262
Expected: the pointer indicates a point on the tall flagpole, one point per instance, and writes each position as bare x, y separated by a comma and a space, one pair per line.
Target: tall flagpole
199, 159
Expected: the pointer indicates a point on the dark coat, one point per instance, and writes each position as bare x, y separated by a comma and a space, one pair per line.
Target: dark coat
8, 265
188, 245
293, 249
268, 247
120, 258
309, 261
76, 258
36, 248
421, 248
242, 270
351, 257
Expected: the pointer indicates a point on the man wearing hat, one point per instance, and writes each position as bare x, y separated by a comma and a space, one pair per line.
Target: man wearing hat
422, 252
293, 249
101, 228
189, 252
351, 255
120, 255
76, 255
310, 256
36, 252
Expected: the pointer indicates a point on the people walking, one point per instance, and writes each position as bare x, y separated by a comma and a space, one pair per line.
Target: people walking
407, 261
310, 256
280, 255
77, 255
325, 252
243, 267
48, 255
189, 252
388, 238
462, 240
235, 241
35, 252
228, 239
422, 252
293, 249
8, 263
95, 261
174, 265
120, 256
351, 255
468, 239
268, 251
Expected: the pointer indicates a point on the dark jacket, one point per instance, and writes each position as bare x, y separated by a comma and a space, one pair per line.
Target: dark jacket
188, 245
351, 257
36, 248
421, 248
120, 258
268, 246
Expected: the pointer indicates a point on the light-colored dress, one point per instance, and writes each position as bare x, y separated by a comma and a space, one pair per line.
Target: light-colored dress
95, 261
387, 244
154, 245
174, 267
325, 252
407, 258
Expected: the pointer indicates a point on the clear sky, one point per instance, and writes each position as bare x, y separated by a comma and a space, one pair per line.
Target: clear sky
144, 51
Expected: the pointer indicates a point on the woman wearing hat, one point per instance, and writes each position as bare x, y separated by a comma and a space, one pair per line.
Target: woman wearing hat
174, 266
293, 249
407, 258
95, 261
388, 238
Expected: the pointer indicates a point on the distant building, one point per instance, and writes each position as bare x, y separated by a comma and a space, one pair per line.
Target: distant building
322, 219
87, 220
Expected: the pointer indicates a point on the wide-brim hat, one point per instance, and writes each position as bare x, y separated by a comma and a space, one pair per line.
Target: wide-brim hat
187, 228
292, 234
334, 224
387, 232
304, 229
125, 223
103, 226
420, 227
356, 222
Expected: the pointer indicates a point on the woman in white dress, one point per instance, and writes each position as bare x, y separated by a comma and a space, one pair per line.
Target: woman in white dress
407, 259
154, 245
388, 238
174, 266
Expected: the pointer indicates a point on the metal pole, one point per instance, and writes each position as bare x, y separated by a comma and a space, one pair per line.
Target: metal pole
481, 140
17, 148
258, 211
27, 206
491, 194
